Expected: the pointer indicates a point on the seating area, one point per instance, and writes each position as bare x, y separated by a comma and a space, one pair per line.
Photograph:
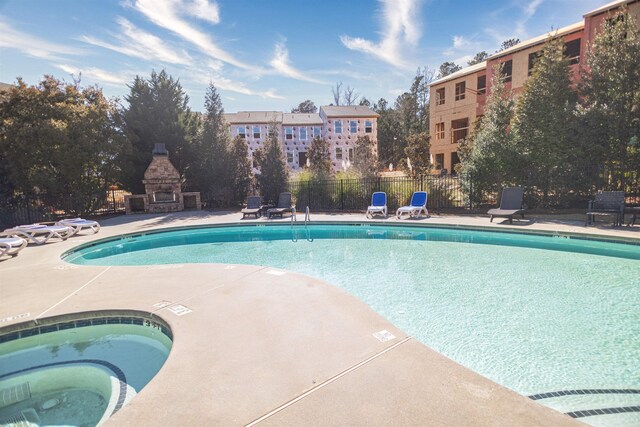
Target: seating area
378, 205
417, 206
15, 239
606, 203
511, 203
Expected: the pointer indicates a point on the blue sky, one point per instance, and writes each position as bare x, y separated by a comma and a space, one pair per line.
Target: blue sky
263, 55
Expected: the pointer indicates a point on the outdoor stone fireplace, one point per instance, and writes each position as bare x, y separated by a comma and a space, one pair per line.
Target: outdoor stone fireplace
162, 188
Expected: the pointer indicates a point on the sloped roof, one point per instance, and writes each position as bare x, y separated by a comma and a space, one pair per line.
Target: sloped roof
540, 39
607, 7
301, 119
467, 70
245, 117
348, 111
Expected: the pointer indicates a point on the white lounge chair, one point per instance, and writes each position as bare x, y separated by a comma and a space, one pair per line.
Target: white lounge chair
11, 245
378, 204
39, 233
417, 206
78, 224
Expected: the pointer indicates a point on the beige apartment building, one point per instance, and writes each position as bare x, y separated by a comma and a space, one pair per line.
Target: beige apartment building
340, 126
458, 100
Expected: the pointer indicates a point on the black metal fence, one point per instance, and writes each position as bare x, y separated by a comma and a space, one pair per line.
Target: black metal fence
445, 192
27, 210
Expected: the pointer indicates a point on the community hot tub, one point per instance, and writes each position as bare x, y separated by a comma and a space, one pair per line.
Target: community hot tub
80, 369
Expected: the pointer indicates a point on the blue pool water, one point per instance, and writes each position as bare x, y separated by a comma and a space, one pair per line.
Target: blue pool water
77, 372
535, 313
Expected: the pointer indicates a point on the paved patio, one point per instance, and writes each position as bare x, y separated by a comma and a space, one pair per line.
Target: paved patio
271, 349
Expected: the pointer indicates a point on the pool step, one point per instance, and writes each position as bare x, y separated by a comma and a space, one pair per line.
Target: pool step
15, 394
26, 418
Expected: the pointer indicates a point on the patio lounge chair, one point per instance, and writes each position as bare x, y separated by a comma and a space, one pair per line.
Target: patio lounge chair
510, 204
417, 206
11, 245
39, 233
606, 203
254, 204
78, 224
284, 205
378, 205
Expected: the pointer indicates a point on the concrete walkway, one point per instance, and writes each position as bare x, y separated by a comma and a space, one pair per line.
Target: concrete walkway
270, 347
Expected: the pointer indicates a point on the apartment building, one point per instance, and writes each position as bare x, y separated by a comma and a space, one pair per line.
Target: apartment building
458, 99
340, 126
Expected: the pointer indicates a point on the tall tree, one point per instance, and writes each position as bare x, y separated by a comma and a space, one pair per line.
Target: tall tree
210, 166
447, 68
489, 156
350, 96
158, 112
390, 134
61, 142
336, 91
273, 173
610, 99
480, 56
544, 118
364, 163
241, 176
418, 153
306, 106
319, 156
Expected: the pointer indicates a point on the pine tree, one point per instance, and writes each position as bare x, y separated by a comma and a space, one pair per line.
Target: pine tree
544, 117
610, 114
417, 152
364, 163
319, 158
241, 177
273, 172
488, 156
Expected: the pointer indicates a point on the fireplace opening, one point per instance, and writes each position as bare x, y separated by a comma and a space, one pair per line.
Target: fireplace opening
164, 197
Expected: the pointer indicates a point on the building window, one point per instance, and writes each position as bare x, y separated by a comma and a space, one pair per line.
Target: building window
338, 126
303, 133
533, 58
440, 130
351, 156
256, 132
317, 132
368, 126
288, 133
439, 161
242, 133
572, 51
440, 96
338, 153
482, 85
289, 157
506, 70
459, 130
353, 126
460, 90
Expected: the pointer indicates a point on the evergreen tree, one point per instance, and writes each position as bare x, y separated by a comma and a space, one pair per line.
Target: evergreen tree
241, 177
273, 172
480, 56
447, 68
507, 44
305, 107
390, 135
364, 163
489, 156
417, 152
319, 157
158, 113
210, 168
544, 121
610, 114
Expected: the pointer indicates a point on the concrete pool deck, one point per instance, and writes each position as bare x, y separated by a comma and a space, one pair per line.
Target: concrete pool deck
270, 347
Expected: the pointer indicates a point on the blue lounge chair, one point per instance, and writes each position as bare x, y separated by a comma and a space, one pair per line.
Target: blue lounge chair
378, 204
417, 206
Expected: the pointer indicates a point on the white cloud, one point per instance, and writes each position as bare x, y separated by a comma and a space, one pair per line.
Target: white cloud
207, 75
98, 75
166, 14
280, 62
140, 44
460, 41
400, 29
204, 10
12, 38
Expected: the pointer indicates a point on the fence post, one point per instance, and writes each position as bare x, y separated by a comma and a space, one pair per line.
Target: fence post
28, 209
308, 193
113, 199
341, 196
470, 191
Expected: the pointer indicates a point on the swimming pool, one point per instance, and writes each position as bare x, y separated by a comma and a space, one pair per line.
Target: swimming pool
78, 370
539, 314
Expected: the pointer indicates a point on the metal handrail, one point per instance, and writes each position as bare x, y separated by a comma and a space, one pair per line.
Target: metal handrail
307, 216
293, 215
